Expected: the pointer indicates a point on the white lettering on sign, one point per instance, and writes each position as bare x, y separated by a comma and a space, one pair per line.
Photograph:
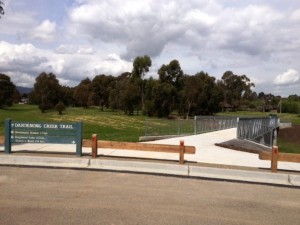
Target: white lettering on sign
27, 125
50, 126
65, 126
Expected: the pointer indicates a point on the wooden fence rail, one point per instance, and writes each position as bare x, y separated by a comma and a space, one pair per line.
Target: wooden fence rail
181, 149
275, 156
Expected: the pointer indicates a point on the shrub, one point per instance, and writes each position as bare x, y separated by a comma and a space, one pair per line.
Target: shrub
60, 107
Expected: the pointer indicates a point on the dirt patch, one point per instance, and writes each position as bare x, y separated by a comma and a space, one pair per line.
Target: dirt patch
290, 134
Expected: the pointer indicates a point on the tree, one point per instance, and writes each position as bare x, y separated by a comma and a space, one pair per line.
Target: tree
101, 86
1, 9
7, 90
159, 99
141, 65
115, 92
200, 95
130, 97
171, 73
47, 91
171, 77
17, 96
68, 93
235, 87
83, 92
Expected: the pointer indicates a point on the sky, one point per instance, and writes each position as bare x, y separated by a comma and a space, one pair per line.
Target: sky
76, 39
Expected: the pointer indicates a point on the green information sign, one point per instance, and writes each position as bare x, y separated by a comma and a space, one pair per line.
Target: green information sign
36, 132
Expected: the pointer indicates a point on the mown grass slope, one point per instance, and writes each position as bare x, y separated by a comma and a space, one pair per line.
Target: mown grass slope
108, 125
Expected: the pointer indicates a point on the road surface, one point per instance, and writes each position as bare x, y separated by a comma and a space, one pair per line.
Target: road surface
62, 196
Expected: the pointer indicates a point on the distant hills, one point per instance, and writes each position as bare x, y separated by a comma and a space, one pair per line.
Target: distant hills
24, 90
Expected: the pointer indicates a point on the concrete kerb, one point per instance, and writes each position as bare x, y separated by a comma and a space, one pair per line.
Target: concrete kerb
154, 168
144, 167
44, 161
294, 180
239, 175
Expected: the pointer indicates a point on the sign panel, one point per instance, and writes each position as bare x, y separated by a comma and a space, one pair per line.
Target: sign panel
32, 132
36, 132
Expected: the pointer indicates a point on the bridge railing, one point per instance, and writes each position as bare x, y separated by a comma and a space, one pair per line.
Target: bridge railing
262, 130
204, 124
198, 125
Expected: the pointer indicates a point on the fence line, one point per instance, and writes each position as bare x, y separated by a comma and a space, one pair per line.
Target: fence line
262, 130
160, 127
200, 124
204, 124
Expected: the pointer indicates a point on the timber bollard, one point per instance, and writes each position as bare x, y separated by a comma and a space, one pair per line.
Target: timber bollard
181, 152
94, 146
274, 160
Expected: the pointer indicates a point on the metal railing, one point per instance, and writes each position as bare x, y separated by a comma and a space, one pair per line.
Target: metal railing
204, 124
161, 127
200, 124
260, 130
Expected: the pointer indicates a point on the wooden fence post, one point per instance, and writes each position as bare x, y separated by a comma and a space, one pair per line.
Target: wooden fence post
94, 146
181, 152
274, 160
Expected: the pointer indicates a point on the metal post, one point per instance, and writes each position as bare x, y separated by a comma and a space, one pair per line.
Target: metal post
7, 147
79, 139
195, 124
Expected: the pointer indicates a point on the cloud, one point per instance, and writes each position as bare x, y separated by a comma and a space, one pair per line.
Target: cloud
72, 49
289, 77
295, 16
45, 31
71, 68
149, 27
23, 57
87, 37
142, 27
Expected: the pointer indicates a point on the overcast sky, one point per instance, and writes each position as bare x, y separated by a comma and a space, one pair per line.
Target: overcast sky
84, 38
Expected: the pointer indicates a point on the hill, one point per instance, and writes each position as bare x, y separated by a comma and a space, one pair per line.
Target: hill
24, 90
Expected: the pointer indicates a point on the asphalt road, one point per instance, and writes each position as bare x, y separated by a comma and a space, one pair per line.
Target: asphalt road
56, 196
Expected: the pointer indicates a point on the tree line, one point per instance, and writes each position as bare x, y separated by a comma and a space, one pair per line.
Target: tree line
173, 91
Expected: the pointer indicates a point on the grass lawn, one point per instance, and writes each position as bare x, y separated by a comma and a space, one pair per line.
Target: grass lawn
108, 125
116, 126
287, 147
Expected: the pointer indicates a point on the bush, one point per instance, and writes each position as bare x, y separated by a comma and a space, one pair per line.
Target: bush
60, 107
290, 107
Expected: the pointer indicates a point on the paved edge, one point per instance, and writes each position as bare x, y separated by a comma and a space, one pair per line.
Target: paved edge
154, 168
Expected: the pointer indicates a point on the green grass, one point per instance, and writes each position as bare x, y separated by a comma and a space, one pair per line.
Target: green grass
108, 125
115, 125
287, 147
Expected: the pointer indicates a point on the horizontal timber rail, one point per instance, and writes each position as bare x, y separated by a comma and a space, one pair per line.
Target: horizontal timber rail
181, 149
275, 156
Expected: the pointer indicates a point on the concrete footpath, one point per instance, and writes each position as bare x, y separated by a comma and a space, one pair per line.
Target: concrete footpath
205, 163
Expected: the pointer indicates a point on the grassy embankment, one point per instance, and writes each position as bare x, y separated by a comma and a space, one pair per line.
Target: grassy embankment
108, 125
115, 125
